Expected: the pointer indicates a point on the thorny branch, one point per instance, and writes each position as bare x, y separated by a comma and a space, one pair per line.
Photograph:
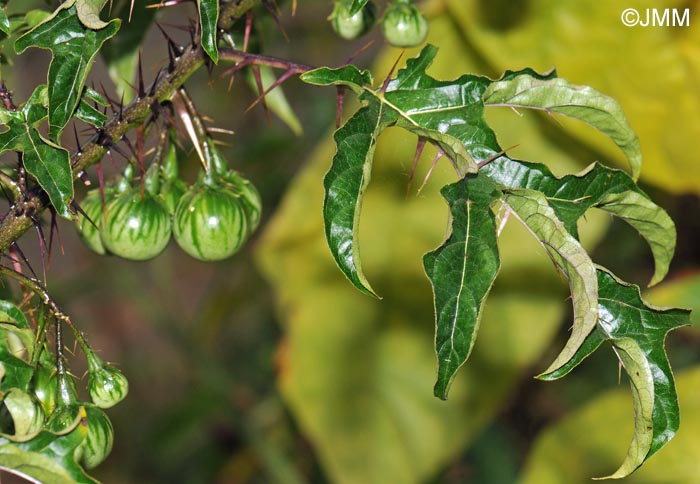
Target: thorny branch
25, 209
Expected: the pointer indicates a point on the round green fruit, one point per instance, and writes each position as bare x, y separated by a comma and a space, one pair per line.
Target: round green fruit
89, 233
350, 27
249, 196
100, 438
136, 226
404, 25
210, 223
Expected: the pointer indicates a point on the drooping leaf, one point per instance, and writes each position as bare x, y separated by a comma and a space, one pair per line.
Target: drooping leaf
596, 187
532, 208
579, 102
43, 159
356, 372
275, 99
89, 13
447, 113
462, 271
121, 53
345, 185
652, 222
208, 20
73, 47
637, 332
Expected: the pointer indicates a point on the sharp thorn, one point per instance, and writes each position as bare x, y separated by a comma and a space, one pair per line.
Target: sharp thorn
416, 157
385, 85
439, 155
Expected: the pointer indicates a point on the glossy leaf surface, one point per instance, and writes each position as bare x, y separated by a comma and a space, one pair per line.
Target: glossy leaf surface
208, 19
637, 332
596, 187
73, 47
462, 271
42, 158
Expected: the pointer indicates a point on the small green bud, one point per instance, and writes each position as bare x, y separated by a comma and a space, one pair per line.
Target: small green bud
107, 385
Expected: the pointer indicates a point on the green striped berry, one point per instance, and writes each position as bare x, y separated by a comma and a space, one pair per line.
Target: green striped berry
107, 385
100, 438
249, 196
350, 27
210, 223
89, 233
136, 227
404, 25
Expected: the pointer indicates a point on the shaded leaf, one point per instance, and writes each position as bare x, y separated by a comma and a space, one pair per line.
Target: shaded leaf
532, 208
447, 113
43, 159
88, 113
462, 271
208, 24
73, 47
579, 102
596, 187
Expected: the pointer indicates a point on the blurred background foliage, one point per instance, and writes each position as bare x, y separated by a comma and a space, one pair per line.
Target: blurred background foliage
270, 367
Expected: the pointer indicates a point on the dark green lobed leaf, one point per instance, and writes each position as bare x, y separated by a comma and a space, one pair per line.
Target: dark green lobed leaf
43, 159
74, 47
628, 322
462, 271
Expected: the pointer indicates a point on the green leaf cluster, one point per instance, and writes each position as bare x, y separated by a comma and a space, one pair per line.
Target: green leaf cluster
450, 116
74, 34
